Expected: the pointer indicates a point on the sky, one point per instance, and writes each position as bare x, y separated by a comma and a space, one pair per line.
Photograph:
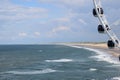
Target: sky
48, 21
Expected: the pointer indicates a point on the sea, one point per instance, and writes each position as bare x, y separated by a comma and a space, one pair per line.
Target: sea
56, 62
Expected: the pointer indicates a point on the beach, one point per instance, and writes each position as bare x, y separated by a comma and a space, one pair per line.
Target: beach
115, 52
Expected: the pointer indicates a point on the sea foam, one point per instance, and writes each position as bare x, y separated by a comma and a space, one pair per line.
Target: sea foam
31, 72
59, 60
93, 69
101, 56
114, 78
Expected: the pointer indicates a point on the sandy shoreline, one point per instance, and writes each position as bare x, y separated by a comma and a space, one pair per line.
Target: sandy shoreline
99, 46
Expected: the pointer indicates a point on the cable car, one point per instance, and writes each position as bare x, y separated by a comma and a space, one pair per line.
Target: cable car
101, 28
110, 44
117, 41
100, 11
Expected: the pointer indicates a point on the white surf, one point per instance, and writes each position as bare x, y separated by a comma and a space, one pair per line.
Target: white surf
32, 72
101, 56
93, 69
59, 60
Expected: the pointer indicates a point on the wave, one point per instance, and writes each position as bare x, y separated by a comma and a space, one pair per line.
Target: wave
104, 56
31, 72
114, 78
92, 69
101, 56
74, 46
59, 60
40, 50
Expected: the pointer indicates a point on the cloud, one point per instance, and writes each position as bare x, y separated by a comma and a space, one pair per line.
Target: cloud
63, 19
12, 12
116, 23
31, 35
82, 21
37, 33
60, 28
52, 20
21, 13
22, 34
57, 31
65, 2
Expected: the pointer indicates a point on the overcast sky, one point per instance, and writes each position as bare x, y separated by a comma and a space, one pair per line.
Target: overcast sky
44, 21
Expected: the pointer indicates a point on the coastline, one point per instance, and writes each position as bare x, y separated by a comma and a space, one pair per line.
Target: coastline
98, 46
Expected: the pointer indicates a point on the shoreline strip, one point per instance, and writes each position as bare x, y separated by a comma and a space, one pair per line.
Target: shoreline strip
109, 55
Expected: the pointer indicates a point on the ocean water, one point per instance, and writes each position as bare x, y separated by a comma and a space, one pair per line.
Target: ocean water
56, 62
